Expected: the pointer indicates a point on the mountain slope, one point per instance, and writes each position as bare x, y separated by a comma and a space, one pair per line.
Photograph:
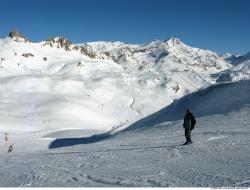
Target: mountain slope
236, 59
219, 99
238, 72
55, 85
161, 54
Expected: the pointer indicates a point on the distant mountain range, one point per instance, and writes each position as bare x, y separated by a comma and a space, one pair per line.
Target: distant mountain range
102, 84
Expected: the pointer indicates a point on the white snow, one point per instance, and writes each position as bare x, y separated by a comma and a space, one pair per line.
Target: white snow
73, 90
59, 114
240, 71
152, 156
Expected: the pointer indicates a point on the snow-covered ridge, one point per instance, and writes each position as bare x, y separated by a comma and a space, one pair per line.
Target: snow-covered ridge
239, 72
160, 52
236, 59
55, 84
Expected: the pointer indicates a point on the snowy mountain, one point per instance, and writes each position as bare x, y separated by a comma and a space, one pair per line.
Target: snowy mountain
240, 70
236, 59
110, 114
158, 54
55, 84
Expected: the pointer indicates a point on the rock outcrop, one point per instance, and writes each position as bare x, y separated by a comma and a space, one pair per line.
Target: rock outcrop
18, 37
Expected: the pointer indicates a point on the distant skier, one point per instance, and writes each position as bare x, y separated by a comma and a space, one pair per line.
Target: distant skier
188, 125
5, 136
10, 148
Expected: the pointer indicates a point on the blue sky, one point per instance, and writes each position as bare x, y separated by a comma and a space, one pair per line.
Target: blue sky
218, 25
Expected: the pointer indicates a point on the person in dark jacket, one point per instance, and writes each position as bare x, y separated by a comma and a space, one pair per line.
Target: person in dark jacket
188, 125
10, 148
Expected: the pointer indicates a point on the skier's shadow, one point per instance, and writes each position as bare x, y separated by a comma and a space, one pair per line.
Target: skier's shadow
58, 143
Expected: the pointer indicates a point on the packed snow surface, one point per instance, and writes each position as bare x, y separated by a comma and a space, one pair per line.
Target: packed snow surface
149, 155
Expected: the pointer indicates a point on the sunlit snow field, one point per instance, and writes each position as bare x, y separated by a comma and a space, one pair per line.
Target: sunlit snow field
79, 121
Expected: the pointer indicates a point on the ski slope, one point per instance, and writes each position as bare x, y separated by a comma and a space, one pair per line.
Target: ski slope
110, 114
149, 156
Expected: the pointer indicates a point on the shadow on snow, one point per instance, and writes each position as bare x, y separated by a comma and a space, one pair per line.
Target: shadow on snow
64, 142
217, 99
121, 149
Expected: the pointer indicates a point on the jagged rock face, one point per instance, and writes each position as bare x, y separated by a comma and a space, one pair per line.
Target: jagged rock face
17, 36
27, 55
50, 42
88, 53
64, 43
76, 47
84, 51
14, 33
110, 56
59, 42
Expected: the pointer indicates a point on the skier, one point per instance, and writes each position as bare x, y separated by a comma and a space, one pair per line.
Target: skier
188, 125
10, 148
5, 136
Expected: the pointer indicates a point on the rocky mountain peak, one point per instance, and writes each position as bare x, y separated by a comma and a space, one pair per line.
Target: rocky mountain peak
59, 42
173, 41
17, 36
